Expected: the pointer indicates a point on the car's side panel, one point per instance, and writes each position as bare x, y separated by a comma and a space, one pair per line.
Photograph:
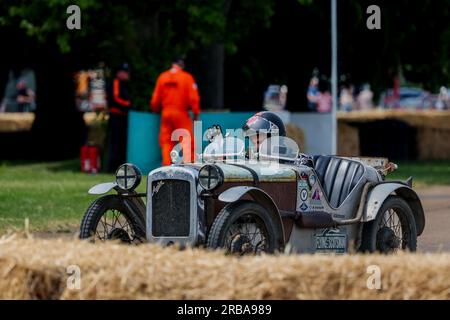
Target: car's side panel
312, 201
283, 194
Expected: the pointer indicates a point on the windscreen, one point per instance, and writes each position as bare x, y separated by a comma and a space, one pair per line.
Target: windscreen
230, 146
279, 148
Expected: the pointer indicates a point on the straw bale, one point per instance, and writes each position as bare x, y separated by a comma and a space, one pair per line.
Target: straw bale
433, 128
348, 140
296, 134
14, 121
36, 269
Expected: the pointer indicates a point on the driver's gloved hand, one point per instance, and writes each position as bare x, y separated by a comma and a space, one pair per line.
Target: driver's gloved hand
213, 132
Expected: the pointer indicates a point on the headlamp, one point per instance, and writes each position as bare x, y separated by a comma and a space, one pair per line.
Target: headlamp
128, 176
210, 177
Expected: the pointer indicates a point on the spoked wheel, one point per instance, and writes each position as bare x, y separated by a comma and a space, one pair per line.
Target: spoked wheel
394, 228
247, 235
391, 235
114, 225
107, 219
244, 228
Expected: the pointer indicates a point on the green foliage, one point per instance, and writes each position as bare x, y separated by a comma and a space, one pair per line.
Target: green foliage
46, 20
424, 173
146, 34
149, 33
414, 38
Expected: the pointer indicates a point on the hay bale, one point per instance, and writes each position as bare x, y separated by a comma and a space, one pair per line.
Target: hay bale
433, 128
15, 121
433, 144
348, 140
97, 124
416, 118
296, 134
37, 269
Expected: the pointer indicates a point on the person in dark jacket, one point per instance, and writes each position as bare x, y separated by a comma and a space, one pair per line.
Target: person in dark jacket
25, 97
119, 104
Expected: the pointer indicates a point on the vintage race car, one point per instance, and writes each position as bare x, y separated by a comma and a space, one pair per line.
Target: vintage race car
272, 202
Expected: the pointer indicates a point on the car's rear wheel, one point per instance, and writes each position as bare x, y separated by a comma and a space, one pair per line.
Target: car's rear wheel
244, 227
394, 228
108, 219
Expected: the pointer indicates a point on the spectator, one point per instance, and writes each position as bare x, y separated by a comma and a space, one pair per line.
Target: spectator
25, 97
3, 105
324, 99
119, 104
346, 98
313, 93
365, 97
443, 99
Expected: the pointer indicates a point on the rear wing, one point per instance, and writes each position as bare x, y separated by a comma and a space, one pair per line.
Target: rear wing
381, 164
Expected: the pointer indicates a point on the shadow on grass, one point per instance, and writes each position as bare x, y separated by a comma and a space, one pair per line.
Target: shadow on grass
71, 165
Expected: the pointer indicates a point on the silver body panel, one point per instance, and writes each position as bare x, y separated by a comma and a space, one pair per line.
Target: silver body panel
102, 188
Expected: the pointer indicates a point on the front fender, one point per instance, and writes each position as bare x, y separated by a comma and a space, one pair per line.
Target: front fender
260, 196
102, 188
137, 206
380, 192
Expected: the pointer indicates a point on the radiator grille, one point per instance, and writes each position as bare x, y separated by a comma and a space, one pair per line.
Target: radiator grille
170, 208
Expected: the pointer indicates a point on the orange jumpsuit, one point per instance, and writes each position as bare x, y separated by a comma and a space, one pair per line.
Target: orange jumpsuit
175, 93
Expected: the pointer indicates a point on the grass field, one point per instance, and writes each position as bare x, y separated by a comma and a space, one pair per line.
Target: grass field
423, 173
53, 196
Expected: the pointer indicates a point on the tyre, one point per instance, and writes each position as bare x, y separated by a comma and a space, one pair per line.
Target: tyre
244, 227
108, 219
394, 228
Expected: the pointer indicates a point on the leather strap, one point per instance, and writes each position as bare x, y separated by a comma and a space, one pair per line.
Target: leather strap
252, 172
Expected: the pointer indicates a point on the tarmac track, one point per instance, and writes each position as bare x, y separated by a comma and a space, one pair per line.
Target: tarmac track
436, 204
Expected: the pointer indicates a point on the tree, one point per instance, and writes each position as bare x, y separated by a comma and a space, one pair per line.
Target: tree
256, 42
147, 34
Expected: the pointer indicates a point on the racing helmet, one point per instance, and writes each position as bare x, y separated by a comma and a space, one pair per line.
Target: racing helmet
265, 121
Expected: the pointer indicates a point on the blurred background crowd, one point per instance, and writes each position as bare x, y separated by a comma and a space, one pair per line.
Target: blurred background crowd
245, 56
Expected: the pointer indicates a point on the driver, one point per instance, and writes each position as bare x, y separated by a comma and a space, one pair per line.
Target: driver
261, 126
264, 125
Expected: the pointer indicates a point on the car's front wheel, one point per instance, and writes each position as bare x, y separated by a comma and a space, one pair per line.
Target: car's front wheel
108, 219
394, 228
244, 227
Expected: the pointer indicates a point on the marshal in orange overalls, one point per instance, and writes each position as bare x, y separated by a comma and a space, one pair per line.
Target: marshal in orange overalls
174, 95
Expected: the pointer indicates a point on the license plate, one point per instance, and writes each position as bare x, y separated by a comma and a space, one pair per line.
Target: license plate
331, 243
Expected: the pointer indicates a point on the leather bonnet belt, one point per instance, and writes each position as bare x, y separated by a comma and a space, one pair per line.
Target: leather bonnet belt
252, 172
